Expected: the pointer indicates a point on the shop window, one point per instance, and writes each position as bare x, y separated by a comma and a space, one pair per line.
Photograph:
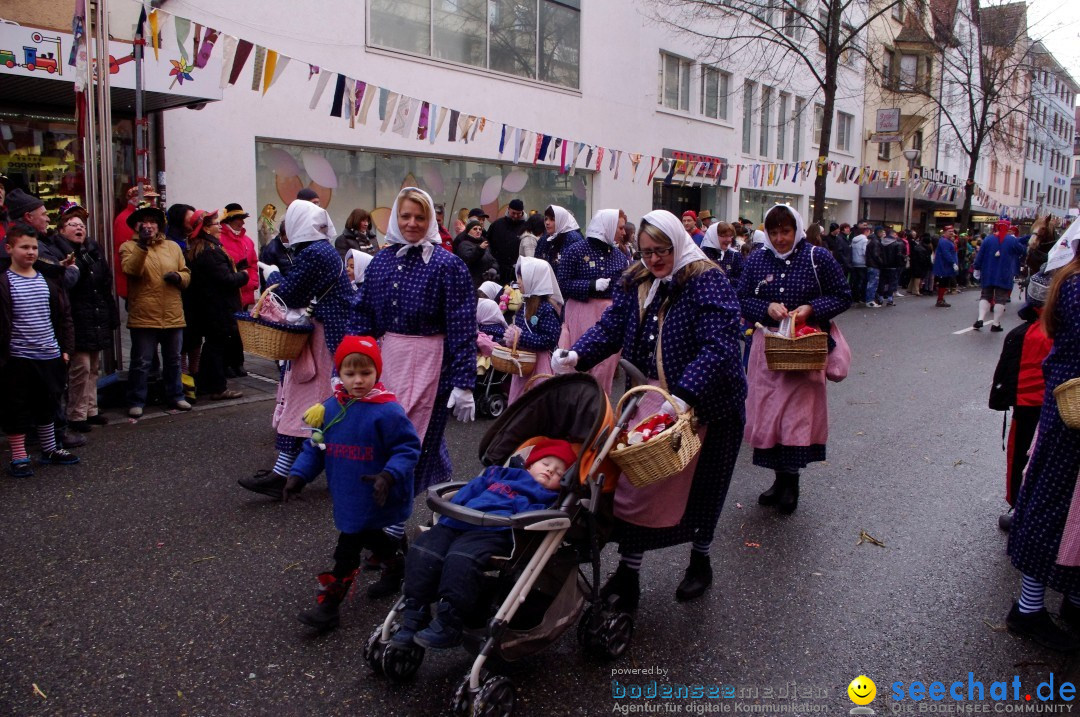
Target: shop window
536, 39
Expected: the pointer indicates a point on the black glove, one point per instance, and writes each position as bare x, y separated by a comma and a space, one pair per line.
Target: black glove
173, 278
292, 488
242, 265
383, 482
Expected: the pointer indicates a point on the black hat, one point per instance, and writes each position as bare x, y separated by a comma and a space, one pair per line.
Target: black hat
7, 182
306, 193
477, 213
19, 203
517, 205
147, 211
234, 211
833, 227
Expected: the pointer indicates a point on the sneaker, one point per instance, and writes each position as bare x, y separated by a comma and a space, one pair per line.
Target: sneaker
994, 328
181, 405
942, 304
71, 440
135, 411
890, 303
21, 468
58, 457
977, 325
1040, 627
443, 632
900, 293
873, 304
98, 420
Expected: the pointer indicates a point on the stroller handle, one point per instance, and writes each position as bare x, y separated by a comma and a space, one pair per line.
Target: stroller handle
637, 378
541, 520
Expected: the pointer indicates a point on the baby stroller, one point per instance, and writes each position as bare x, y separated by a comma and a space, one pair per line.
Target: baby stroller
552, 577
491, 392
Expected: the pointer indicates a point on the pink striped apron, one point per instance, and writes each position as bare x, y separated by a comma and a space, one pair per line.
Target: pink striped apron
788, 407
660, 505
517, 384
579, 317
307, 382
411, 369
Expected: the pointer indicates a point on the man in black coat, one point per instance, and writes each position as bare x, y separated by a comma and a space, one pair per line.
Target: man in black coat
504, 238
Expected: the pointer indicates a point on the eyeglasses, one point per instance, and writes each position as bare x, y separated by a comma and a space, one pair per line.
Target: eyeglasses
659, 251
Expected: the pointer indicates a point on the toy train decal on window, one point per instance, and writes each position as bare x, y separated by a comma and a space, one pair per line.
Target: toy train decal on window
34, 58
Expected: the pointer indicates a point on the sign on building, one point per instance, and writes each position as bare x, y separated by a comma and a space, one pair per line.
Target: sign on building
888, 121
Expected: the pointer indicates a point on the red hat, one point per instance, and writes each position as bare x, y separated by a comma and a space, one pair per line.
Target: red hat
555, 448
198, 219
358, 345
690, 213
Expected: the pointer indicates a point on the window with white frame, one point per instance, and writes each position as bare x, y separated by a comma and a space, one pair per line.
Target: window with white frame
793, 18
781, 125
844, 124
884, 151
888, 68
747, 116
909, 72
715, 85
766, 121
819, 119
796, 128
535, 39
674, 82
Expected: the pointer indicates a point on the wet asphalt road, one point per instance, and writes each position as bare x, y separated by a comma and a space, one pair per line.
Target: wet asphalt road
144, 581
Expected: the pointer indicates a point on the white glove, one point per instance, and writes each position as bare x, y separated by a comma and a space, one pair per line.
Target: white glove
680, 406
603, 284
463, 404
510, 334
563, 361
334, 383
266, 270
977, 274
956, 267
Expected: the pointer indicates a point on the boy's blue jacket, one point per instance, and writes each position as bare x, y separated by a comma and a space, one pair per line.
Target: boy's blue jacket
370, 438
503, 491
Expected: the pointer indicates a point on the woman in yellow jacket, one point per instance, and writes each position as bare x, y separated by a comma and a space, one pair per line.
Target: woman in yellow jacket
156, 274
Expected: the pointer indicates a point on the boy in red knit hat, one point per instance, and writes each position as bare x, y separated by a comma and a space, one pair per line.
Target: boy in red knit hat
369, 448
446, 563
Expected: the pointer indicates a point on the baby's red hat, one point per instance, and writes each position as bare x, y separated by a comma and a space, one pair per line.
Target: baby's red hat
358, 345
556, 448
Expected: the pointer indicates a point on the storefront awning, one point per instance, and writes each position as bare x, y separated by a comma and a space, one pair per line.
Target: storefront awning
32, 92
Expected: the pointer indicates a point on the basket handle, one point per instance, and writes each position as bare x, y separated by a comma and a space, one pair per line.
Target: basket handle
644, 389
513, 346
534, 378
262, 298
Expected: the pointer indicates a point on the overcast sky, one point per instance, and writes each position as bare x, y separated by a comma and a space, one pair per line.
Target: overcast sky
1057, 23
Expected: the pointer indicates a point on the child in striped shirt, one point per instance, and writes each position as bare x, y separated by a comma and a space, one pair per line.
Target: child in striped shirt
36, 336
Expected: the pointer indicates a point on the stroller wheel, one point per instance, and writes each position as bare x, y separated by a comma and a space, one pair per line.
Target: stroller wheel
461, 706
610, 638
373, 651
401, 663
496, 404
495, 698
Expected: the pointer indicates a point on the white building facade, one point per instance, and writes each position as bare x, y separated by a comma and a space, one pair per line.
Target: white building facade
588, 76
1051, 127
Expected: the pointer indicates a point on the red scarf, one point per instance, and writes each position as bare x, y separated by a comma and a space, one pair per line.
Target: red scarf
377, 394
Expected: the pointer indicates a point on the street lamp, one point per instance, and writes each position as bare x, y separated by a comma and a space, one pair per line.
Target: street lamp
912, 156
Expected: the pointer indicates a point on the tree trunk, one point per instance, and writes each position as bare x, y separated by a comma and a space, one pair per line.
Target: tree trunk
832, 59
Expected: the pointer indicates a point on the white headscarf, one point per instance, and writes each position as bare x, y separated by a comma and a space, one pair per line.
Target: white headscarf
487, 312
758, 237
800, 231
360, 262
305, 222
537, 279
604, 225
712, 239
430, 240
1065, 248
686, 251
564, 220
491, 290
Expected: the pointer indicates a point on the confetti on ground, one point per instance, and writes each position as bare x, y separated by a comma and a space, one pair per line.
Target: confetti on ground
752, 545
290, 567
739, 506
202, 560
39, 693
865, 537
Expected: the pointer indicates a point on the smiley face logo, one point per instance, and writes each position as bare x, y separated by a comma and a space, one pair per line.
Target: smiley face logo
862, 690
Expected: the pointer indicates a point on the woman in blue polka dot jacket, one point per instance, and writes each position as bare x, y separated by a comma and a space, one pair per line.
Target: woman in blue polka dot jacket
676, 318
787, 417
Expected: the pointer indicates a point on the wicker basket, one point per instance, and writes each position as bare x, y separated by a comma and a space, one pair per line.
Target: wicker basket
512, 361
277, 342
662, 456
802, 353
1067, 396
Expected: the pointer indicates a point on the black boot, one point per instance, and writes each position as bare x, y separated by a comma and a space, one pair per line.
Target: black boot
393, 568
772, 495
622, 591
1070, 614
1005, 521
265, 482
415, 616
789, 498
444, 631
1040, 627
697, 579
325, 616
